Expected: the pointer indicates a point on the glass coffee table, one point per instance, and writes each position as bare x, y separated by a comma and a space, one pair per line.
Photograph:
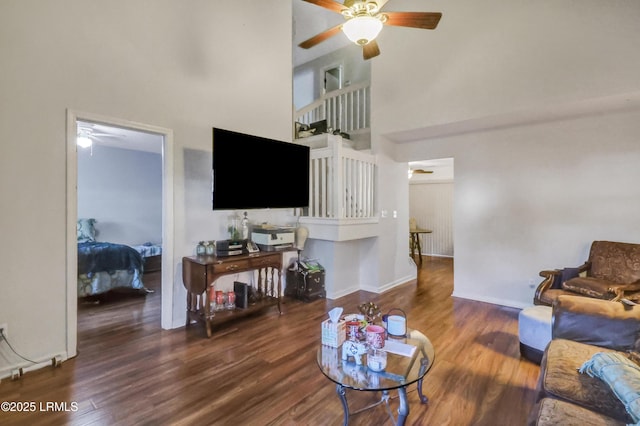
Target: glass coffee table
408, 359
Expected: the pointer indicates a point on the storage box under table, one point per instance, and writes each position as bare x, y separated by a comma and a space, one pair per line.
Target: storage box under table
305, 285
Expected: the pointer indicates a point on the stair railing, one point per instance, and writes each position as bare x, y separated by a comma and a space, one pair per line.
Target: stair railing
342, 182
347, 109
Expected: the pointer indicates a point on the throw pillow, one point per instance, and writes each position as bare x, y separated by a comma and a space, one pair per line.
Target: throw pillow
564, 275
592, 287
86, 230
621, 375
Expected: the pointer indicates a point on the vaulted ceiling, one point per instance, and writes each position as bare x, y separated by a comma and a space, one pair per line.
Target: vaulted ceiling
309, 20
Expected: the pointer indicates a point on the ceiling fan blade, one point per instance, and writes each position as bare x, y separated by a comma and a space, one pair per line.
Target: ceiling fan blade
319, 38
424, 20
328, 4
107, 135
370, 50
93, 131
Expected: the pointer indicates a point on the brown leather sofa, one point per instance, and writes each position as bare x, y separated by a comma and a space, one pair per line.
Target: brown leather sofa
582, 327
611, 272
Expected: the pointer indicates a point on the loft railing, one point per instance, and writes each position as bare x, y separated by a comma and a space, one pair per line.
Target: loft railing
345, 109
342, 182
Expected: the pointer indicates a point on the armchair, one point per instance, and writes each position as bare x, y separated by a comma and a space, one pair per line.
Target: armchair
611, 272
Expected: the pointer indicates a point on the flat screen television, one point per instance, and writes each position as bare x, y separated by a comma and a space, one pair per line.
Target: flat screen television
252, 172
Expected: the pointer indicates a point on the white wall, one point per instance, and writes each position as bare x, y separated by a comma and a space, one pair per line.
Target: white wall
497, 56
185, 66
529, 98
122, 190
354, 70
390, 251
340, 261
534, 197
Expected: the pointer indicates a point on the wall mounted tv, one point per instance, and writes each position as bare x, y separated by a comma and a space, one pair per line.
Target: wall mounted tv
252, 172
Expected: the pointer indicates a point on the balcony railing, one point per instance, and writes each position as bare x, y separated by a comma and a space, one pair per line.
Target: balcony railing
342, 180
345, 109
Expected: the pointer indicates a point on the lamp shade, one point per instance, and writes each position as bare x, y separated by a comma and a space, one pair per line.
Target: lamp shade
362, 29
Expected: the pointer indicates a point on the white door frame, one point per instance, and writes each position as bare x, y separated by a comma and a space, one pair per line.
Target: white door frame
339, 66
72, 218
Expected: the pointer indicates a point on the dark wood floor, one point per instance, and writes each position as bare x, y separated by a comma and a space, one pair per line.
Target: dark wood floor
262, 371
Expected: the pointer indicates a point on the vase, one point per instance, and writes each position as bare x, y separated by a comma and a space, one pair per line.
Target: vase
201, 249
234, 228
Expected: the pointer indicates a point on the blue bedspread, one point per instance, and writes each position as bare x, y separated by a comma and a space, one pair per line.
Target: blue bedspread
96, 257
148, 249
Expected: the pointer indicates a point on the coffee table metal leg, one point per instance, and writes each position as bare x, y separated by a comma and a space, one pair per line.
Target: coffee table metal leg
423, 364
403, 409
342, 393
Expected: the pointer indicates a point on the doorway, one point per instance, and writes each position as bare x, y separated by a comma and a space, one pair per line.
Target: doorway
332, 79
167, 268
431, 188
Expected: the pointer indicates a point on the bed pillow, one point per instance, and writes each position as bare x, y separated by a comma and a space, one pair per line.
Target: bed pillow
621, 375
86, 230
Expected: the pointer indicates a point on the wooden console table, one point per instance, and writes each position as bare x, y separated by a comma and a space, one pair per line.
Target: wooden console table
199, 274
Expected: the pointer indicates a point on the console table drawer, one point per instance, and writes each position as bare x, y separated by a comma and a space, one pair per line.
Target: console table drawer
261, 262
226, 267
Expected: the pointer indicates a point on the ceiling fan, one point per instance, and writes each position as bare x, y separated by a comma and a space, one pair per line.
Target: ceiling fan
364, 21
418, 172
89, 132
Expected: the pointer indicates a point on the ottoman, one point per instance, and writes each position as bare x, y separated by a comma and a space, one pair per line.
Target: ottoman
534, 330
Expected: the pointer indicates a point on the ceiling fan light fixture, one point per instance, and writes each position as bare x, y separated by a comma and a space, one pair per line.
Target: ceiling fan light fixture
84, 142
362, 29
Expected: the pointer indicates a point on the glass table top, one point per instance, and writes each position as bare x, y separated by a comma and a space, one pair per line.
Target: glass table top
401, 370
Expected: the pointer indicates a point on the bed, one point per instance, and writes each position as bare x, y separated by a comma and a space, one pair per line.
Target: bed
151, 256
104, 266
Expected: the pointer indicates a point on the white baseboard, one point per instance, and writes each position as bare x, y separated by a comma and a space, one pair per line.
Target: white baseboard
342, 292
25, 367
493, 300
370, 289
392, 284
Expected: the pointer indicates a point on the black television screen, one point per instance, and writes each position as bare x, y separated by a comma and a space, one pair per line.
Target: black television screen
252, 172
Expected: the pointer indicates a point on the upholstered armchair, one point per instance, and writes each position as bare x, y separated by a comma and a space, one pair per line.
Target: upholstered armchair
611, 272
